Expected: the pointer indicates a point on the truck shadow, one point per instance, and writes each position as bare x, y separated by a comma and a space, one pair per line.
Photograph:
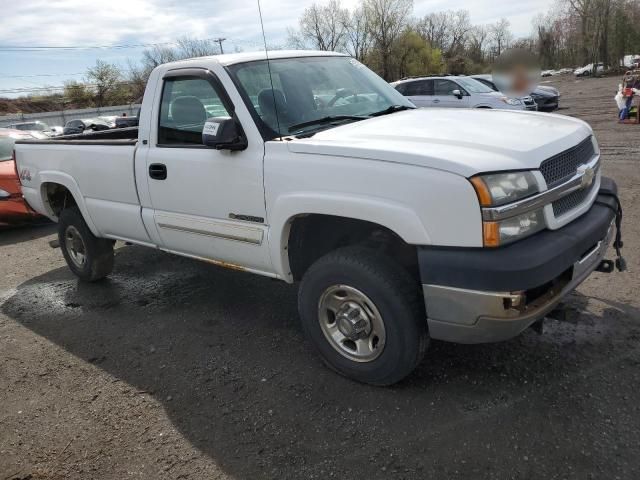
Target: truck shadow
223, 352
10, 235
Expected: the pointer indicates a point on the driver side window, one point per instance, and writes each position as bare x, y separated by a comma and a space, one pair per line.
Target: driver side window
186, 105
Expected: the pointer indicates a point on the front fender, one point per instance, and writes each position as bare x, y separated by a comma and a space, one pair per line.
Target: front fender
395, 216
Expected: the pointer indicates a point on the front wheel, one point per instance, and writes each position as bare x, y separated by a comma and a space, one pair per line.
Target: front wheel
89, 257
365, 315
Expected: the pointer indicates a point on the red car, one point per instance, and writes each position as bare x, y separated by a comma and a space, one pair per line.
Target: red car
13, 208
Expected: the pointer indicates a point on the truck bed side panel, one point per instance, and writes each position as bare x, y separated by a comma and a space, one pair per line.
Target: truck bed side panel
101, 175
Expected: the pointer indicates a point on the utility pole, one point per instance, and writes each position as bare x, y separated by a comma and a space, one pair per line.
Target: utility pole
220, 40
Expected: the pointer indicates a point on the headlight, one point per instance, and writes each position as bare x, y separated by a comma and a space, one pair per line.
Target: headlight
496, 234
498, 189
596, 147
511, 101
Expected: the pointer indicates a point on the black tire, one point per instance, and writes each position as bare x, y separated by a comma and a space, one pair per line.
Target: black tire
396, 296
98, 252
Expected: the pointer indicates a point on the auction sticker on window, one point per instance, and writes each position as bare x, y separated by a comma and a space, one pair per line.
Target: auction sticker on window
211, 128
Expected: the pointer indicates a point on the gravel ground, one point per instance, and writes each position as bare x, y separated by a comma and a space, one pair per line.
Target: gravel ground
176, 369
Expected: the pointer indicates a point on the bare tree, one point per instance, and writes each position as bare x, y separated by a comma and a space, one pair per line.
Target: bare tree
137, 76
358, 34
448, 31
583, 9
323, 27
188, 47
434, 28
106, 79
158, 55
387, 20
501, 36
478, 36
459, 31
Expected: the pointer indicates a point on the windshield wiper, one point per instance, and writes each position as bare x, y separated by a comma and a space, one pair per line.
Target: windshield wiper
320, 121
391, 109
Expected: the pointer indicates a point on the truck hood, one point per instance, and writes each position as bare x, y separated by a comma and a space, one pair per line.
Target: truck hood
460, 141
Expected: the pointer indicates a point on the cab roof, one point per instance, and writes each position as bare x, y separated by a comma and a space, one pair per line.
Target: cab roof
234, 58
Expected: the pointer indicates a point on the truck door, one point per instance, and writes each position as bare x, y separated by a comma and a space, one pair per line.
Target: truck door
206, 203
443, 95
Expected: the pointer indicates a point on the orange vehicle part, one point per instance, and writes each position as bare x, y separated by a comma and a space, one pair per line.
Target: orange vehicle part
14, 210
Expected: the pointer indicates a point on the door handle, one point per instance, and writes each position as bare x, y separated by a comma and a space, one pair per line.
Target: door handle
158, 171
436, 100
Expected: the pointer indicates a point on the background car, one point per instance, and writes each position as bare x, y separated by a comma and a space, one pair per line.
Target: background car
35, 126
13, 208
454, 92
587, 70
528, 100
547, 98
57, 131
109, 120
75, 127
543, 98
124, 122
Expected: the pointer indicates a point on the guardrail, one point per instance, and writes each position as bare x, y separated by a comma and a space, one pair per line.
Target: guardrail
63, 116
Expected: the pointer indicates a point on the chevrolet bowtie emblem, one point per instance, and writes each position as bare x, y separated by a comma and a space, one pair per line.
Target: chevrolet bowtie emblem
588, 174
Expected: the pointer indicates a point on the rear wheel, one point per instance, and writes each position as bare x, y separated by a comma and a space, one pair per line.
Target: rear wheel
89, 257
364, 314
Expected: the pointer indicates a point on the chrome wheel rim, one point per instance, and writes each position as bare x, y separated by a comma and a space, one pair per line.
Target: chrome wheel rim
351, 323
75, 246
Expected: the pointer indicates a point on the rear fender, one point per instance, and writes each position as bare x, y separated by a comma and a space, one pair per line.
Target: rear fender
67, 181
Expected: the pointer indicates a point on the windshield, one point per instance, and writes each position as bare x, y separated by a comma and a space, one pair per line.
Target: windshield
472, 85
312, 88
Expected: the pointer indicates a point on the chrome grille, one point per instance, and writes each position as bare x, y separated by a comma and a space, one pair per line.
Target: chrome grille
563, 166
573, 200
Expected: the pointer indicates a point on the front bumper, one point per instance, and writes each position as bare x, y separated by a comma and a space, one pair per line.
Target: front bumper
547, 104
488, 295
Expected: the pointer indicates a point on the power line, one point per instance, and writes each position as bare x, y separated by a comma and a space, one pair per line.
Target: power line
57, 87
36, 48
43, 75
86, 47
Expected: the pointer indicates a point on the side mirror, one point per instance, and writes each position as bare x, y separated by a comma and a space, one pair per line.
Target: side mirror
457, 93
4, 195
223, 133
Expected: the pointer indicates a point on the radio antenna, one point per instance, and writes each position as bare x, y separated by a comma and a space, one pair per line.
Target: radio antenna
266, 53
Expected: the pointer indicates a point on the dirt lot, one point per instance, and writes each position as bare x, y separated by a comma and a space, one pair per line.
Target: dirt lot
176, 369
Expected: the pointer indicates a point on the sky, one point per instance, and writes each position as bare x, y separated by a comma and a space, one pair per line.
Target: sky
81, 23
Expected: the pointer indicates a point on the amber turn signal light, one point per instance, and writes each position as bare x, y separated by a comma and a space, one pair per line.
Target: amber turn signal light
490, 234
484, 196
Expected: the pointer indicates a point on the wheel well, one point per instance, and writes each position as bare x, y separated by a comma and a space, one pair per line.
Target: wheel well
313, 236
57, 197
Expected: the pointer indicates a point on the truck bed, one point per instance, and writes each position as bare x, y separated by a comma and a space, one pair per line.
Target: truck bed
98, 170
115, 136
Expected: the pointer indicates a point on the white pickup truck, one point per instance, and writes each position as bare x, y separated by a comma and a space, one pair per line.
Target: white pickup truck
401, 224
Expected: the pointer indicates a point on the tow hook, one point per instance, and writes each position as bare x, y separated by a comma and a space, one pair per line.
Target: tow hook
607, 266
